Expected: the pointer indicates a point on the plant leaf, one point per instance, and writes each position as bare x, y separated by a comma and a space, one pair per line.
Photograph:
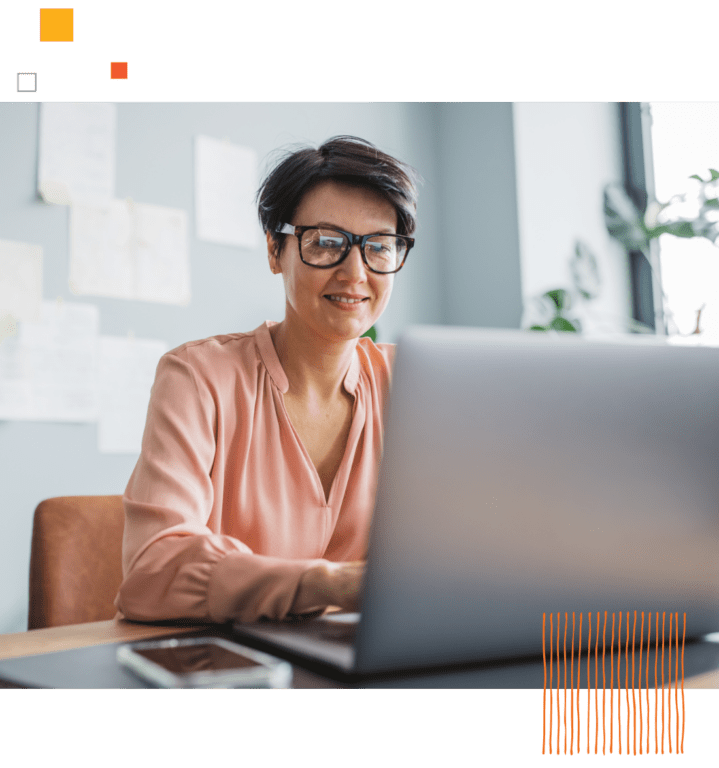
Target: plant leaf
680, 229
623, 220
538, 328
560, 297
562, 324
714, 173
585, 271
370, 333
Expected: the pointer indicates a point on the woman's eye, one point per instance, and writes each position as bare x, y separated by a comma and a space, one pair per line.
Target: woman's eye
330, 242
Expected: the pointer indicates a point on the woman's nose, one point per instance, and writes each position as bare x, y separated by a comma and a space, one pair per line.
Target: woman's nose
353, 266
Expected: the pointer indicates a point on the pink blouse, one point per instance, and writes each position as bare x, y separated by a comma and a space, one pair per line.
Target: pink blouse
225, 510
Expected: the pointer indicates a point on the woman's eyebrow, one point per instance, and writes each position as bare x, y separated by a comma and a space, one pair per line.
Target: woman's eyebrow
330, 225
327, 224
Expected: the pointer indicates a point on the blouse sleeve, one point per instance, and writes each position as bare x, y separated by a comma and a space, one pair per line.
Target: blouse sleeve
174, 566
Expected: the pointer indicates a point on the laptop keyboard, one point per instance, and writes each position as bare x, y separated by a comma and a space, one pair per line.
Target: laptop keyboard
328, 638
335, 628
342, 633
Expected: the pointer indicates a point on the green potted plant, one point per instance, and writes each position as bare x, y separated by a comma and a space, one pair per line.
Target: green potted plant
693, 214
555, 310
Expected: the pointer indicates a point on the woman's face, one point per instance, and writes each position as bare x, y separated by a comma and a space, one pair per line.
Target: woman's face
312, 294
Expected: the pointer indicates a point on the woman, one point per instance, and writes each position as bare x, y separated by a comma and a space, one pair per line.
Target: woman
253, 494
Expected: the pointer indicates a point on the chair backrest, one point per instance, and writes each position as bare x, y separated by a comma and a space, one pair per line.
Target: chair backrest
75, 560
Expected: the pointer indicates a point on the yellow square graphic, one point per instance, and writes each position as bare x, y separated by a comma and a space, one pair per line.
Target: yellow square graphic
56, 25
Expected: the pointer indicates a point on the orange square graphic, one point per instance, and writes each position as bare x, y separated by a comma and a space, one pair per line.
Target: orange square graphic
56, 25
118, 70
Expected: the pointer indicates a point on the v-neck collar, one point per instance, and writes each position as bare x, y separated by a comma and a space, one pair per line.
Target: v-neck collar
268, 353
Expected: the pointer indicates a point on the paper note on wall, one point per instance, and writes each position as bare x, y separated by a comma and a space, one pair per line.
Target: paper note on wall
127, 372
48, 370
77, 152
20, 280
162, 254
225, 186
8, 327
101, 250
128, 250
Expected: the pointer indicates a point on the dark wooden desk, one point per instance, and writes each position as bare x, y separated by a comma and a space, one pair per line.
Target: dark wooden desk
38, 642
99, 668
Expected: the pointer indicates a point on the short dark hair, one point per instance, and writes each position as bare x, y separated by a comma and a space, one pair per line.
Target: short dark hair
345, 159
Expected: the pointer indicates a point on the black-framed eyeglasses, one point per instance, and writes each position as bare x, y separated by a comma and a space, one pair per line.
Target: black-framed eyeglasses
325, 247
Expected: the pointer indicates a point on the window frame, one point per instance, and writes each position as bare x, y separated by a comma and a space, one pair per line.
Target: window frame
638, 181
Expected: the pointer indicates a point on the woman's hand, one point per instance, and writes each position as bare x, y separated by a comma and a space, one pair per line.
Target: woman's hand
326, 584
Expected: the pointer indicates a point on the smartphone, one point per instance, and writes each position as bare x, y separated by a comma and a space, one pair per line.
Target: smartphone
203, 662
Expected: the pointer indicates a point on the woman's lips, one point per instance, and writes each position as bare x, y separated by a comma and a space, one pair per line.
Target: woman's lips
352, 306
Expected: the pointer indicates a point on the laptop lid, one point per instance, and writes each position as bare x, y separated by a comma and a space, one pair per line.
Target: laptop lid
527, 473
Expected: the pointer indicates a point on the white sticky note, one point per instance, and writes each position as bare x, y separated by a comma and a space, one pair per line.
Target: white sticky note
20, 280
8, 327
101, 258
161, 254
48, 370
127, 372
127, 250
225, 187
77, 152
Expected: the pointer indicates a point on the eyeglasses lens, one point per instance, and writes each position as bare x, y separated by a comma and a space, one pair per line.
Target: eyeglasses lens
324, 247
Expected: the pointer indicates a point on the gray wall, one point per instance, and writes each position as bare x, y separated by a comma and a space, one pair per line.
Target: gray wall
465, 268
478, 210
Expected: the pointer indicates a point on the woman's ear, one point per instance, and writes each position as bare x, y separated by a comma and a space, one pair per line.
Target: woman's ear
273, 255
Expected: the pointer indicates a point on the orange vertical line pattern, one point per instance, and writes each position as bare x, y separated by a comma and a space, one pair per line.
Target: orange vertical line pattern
596, 686
639, 686
664, 615
656, 694
551, 675
676, 676
579, 674
611, 692
646, 674
589, 673
626, 677
559, 674
565, 682
604, 686
571, 694
634, 702
619, 686
544, 691
684, 634
669, 691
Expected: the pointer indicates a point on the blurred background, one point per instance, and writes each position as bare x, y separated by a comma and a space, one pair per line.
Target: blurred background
512, 232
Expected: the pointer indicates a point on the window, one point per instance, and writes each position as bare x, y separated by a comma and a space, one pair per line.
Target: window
685, 141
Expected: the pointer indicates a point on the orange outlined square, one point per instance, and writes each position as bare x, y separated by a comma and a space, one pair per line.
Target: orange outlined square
56, 25
118, 70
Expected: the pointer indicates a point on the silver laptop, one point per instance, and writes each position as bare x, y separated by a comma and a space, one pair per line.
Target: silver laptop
525, 473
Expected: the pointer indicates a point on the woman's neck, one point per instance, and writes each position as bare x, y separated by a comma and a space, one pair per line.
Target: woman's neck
315, 368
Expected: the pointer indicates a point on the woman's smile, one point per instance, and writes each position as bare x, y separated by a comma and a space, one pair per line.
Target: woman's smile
346, 302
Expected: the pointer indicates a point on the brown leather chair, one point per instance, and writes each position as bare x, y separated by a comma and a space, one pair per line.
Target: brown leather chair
75, 560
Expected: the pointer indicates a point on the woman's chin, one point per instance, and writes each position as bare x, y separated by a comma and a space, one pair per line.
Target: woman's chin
347, 331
